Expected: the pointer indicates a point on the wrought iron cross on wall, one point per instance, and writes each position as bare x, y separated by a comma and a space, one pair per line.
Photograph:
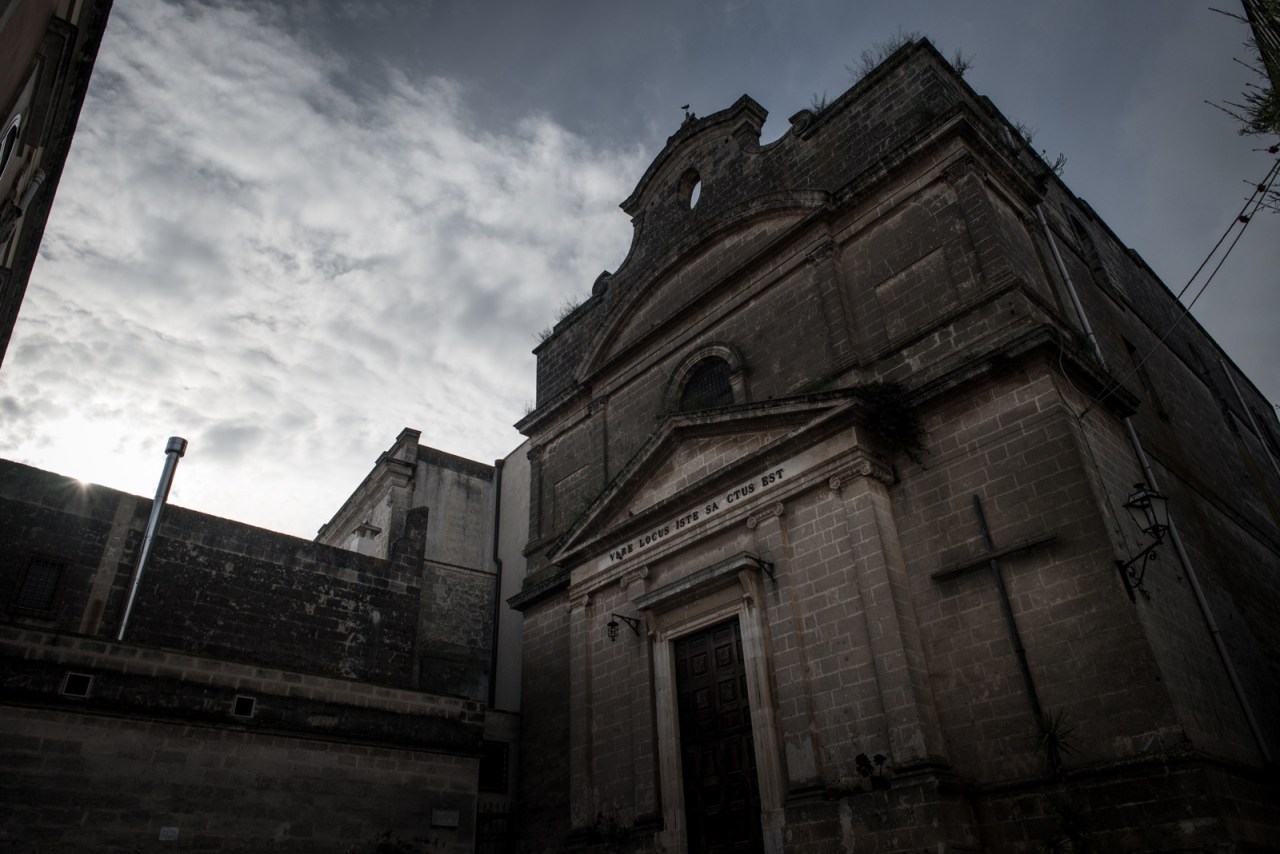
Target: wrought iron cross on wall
992, 562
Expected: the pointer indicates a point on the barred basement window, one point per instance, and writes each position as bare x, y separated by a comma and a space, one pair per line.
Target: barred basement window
39, 585
708, 386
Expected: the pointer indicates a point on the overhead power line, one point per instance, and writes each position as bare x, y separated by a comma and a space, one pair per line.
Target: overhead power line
1252, 205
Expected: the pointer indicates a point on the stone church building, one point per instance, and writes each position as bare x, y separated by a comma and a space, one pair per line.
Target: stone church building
828, 487
821, 541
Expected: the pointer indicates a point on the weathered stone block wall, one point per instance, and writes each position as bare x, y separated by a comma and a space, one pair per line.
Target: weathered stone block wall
1209, 435
308, 635
459, 495
211, 584
455, 630
83, 783
544, 737
910, 267
1012, 444
42, 515
317, 764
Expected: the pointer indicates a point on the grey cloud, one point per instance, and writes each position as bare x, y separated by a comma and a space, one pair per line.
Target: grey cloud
231, 442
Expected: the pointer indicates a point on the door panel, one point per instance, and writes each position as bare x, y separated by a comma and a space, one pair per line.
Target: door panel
721, 794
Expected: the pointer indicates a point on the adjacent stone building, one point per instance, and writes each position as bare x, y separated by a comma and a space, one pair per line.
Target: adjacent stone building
457, 496
827, 512
49, 47
271, 693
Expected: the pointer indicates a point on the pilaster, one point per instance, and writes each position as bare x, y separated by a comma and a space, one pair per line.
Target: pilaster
910, 714
824, 271
803, 748
582, 809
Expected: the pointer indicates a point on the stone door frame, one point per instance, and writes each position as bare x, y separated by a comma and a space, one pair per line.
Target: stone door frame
727, 590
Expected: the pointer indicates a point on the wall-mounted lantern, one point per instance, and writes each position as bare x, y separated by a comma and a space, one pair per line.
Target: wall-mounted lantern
1150, 511
613, 625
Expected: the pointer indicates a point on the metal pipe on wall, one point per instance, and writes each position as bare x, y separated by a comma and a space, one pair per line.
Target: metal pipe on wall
1183, 557
174, 450
1248, 413
497, 582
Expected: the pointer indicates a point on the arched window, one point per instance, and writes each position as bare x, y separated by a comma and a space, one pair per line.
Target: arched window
707, 386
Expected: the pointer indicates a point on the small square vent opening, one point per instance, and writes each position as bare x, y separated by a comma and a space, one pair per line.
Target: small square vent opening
77, 684
243, 707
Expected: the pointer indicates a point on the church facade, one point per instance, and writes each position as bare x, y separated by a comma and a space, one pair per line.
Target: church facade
828, 512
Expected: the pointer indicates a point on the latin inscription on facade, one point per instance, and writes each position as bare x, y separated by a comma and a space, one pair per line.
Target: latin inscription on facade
766, 480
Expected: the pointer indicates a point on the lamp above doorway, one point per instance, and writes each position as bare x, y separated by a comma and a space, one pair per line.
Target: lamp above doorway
613, 625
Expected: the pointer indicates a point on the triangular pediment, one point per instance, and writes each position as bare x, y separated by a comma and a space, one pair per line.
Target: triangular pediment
693, 451
692, 460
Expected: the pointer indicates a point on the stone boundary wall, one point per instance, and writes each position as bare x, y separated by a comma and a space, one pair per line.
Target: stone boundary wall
321, 764
132, 679
79, 782
214, 587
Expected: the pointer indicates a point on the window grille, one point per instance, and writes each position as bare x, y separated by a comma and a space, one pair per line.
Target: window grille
39, 585
708, 386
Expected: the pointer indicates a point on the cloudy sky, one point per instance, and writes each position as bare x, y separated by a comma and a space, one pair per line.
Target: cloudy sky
289, 229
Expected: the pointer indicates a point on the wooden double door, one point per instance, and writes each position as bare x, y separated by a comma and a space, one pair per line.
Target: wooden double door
721, 792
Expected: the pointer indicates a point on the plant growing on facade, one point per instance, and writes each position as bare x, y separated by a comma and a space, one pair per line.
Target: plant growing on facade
1073, 829
879, 52
568, 307
1258, 110
1053, 734
1053, 739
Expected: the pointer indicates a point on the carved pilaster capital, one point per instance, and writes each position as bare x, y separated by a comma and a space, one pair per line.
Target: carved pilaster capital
632, 576
857, 469
958, 168
399, 472
824, 251
756, 518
